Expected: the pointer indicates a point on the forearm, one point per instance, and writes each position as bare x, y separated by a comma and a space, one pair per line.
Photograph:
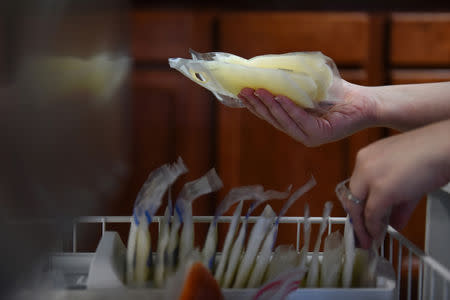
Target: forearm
438, 145
405, 107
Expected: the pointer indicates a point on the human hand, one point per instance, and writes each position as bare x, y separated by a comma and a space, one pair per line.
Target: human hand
393, 174
358, 110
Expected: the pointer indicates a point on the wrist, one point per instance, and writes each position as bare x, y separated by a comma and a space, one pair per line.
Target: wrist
366, 100
384, 112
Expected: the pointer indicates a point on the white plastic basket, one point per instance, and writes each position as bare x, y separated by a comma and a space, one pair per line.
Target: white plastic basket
394, 249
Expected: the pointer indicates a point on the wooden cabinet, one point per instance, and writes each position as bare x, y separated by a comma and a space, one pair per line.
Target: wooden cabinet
420, 48
158, 35
3, 53
420, 39
405, 76
257, 33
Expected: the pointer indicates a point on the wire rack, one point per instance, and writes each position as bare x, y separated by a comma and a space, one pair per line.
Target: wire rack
432, 281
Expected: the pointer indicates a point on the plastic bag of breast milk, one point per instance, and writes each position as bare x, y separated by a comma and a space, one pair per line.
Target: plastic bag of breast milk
235, 195
161, 250
331, 267
274, 195
241, 263
265, 253
307, 234
255, 240
307, 78
349, 254
284, 257
312, 279
147, 203
281, 286
180, 247
236, 252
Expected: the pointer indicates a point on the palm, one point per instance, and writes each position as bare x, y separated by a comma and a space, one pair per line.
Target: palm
342, 119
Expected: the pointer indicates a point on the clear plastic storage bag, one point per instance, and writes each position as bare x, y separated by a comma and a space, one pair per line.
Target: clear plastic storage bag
307, 78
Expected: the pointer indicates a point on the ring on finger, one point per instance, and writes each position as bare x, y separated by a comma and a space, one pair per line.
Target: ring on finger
343, 192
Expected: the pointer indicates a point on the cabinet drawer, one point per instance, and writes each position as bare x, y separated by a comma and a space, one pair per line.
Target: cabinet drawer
399, 76
420, 39
357, 76
3, 66
158, 35
342, 36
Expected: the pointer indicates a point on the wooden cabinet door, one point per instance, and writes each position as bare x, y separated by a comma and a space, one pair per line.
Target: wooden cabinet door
3, 53
170, 118
420, 39
158, 35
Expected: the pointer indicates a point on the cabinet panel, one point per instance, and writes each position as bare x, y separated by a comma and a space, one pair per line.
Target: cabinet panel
420, 39
171, 118
158, 35
256, 33
405, 76
357, 76
3, 53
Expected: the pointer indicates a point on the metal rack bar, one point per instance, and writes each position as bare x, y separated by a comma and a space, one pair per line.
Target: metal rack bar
434, 264
74, 237
103, 226
399, 269
420, 283
431, 284
391, 250
409, 274
445, 290
205, 219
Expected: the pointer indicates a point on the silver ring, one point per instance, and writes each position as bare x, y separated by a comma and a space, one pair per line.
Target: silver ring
343, 192
354, 199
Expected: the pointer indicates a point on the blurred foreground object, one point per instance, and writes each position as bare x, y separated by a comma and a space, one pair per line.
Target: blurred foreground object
62, 123
199, 284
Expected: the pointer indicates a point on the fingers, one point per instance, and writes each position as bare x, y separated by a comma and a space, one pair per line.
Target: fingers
281, 115
279, 111
253, 104
302, 117
375, 208
356, 212
376, 214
